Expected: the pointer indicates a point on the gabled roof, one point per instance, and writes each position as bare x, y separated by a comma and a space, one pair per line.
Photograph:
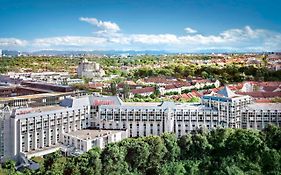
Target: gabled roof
226, 92
143, 90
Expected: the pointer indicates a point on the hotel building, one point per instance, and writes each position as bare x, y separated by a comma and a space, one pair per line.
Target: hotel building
90, 121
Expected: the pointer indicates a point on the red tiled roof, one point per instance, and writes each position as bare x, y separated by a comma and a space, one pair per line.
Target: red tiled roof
196, 94
263, 101
187, 96
269, 88
261, 94
269, 83
143, 90
171, 86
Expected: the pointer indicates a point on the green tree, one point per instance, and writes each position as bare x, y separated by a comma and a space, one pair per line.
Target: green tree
157, 152
173, 150
113, 88
271, 161
172, 168
137, 154
185, 143
126, 90
200, 146
273, 136
113, 160
71, 168
192, 167
10, 167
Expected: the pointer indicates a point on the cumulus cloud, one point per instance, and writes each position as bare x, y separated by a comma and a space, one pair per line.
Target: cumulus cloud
110, 37
8, 42
105, 26
190, 30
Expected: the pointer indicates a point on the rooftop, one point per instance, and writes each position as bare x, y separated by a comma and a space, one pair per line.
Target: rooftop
89, 134
226, 92
142, 103
34, 96
24, 111
264, 106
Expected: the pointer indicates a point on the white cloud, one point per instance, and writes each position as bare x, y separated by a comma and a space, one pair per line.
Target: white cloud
69, 40
154, 39
108, 37
105, 26
190, 30
9, 42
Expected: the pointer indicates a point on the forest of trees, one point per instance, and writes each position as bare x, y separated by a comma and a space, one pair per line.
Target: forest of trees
219, 152
227, 74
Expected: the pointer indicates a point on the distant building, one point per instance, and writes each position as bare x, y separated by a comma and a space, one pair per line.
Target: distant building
10, 53
89, 69
59, 78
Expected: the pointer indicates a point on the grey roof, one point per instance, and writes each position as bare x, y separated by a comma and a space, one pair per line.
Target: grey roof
264, 106
75, 102
226, 92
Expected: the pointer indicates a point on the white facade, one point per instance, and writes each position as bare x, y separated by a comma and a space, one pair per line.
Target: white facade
35, 130
259, 116
85, 140
39, 131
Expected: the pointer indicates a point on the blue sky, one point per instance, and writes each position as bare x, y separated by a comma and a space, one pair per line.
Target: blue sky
175, 25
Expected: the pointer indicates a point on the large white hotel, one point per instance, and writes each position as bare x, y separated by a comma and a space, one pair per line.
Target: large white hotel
88, 121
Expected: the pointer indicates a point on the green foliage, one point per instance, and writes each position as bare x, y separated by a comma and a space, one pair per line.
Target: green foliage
113, 88
144, 66
173, 150
38, 64
113, 158
126, 91
137, 154
273, 137
9, 167
172, 168
226, 74
219, 152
